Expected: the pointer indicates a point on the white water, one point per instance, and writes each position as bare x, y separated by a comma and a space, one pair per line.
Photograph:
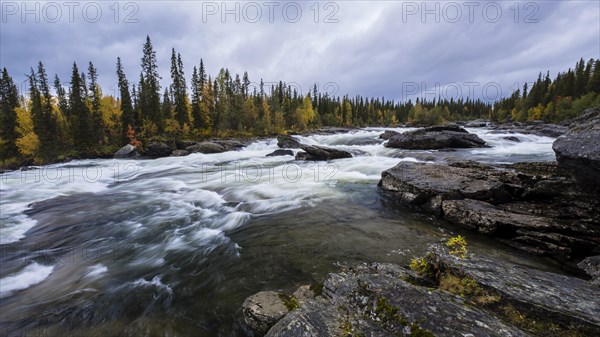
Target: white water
188, 204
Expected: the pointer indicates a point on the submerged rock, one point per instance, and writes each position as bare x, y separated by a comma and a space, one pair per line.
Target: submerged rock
537, 207
281, 152
512, 139
127, 151
387, 134
437, 137
578, 151
287, 142
321, 153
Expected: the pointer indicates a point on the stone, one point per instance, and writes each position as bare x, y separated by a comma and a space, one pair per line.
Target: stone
157, 150
127, 151
287, 142
281, 152
434, 138
179, 153
321, 153
263, 310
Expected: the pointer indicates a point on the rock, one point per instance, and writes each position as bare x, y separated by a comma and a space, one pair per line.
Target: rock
387, 134
376, 300
183, 144
262, 310
478, 123
536, 207
281, 152
437, 137
179, 153
127, 151
157, 150
287, 142
321, 153
578, 151
512, 139
303, 294
591, 265
563, 300
215, 146
417, 183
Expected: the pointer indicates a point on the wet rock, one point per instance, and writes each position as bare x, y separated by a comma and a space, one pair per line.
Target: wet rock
321, 153
281, 152
478, 123
569, 302
578, 151
437, 137
183, 144
127, 151
158, 150
262, 310
536, 207
303, 294
179, 153
287, 142
215, 146
591, 265
512, 139
387, 134
375, 300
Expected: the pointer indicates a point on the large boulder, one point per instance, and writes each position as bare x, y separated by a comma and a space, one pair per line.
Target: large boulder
262, 310
179, 153
321, 153
157, 150
127, 151
591, 265
215, 146
536, 207
578, 151
287, 142
434, 138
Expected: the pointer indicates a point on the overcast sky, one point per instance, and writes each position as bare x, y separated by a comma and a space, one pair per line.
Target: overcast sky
374, 48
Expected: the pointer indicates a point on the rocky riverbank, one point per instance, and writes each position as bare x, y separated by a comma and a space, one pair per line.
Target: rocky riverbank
444, 293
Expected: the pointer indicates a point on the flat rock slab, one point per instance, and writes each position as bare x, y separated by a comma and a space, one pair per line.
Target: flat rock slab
419, 182
321, 153
374, 300
559, 298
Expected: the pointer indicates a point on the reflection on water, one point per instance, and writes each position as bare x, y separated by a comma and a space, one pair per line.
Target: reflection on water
172, 246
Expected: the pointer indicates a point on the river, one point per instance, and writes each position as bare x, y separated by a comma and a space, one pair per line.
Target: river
172, 246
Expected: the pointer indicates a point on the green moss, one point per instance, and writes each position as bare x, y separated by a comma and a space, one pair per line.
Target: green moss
290, 302
534, 326
468, 288
417, 331
389, 313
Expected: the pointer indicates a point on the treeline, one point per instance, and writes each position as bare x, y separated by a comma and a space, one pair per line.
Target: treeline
78, 120
556, 100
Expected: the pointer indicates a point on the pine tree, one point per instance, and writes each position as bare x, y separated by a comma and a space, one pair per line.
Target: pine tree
149, 88
594, 83
9, 101
179, 89
128, 119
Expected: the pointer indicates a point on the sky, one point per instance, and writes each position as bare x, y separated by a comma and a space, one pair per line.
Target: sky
396, 49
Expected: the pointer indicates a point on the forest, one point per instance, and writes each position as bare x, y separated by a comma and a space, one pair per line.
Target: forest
54, 122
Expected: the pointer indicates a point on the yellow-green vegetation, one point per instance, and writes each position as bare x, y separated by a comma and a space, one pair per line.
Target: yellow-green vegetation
388, 313
289, 301
536, 327
458, 246
468, 288
417, 331
420, 265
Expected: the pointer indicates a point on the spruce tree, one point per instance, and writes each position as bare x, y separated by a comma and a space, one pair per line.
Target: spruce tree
149, 89
9, 101
81, 123
127, 113
95, 96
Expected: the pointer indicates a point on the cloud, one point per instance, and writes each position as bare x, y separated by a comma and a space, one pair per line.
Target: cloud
372, 48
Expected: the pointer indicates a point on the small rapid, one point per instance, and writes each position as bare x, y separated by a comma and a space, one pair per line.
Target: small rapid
173, 245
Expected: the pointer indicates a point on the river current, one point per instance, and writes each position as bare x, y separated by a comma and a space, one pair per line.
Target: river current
172, 246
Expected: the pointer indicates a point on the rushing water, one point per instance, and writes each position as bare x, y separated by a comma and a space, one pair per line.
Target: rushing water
172, 246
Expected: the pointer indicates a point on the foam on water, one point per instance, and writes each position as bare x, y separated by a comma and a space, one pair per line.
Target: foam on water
31, 275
